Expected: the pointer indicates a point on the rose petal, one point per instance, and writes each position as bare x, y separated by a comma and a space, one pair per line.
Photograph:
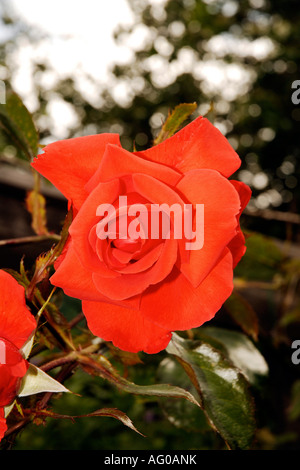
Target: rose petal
3, 426
127, 285
12, 369
69, 164
145, 262
237, 244
76, 281
168, 201
179, 306
104, 193
118, 162
128, 329
221, 206
244, 193
237, 247
16, 321
197, 145
155, 191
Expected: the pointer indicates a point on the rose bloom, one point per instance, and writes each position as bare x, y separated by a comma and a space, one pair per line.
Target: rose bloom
16, 326
136, 291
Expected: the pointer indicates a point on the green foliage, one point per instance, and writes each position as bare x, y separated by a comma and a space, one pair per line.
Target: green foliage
18, 124
223, 390
262, 260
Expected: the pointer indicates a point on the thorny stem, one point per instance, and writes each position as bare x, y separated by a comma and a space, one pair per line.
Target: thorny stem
29, 239
70, 360
71, 357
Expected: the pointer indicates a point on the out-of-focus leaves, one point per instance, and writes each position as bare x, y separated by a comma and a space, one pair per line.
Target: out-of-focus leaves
174, 121
240, 350
224, 392
37, 381
261, 260
292, 267
181, 413
36, 206
17, 122
290, 317
294, 408
243, 314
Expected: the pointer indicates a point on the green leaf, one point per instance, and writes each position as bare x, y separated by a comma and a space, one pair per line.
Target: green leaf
240, 350
37, 381
17, 122
224, 392
181, 413
174, 121
104, 369
290, 317
261, 260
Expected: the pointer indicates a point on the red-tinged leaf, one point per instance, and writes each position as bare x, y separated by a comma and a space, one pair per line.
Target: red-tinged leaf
114, 413
108, 412
174, 121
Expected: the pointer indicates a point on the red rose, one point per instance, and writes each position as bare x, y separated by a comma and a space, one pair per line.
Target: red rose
16, 325
136, 290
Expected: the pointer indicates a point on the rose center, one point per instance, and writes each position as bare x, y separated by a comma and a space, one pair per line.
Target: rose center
129, 245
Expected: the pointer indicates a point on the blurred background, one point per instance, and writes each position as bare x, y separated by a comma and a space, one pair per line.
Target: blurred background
120, 66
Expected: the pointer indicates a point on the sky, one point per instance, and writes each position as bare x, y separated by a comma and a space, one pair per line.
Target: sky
79, 43
78, 38
81, 32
